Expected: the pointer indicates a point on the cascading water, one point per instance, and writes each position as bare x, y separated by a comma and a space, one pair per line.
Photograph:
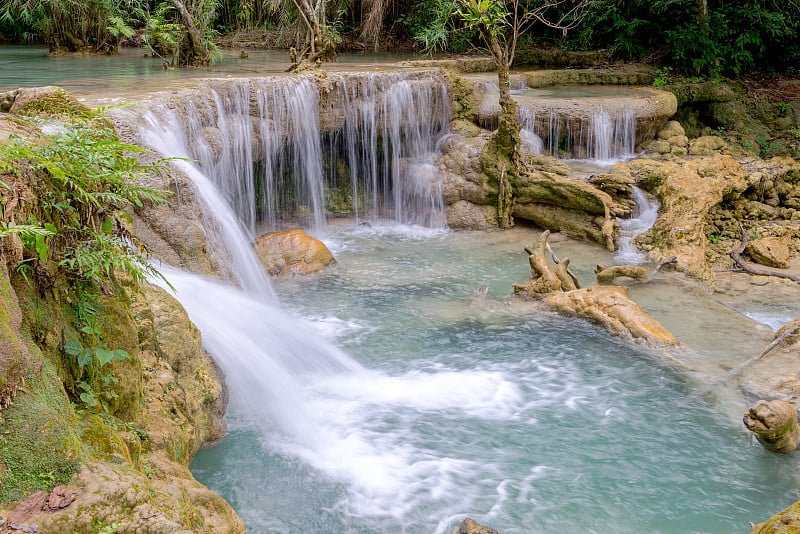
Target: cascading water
261, 143
603, 136
391, 127
643, 216
525, 422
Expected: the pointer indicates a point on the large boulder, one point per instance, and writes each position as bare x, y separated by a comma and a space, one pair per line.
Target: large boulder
775, 425
137, 476
688, 191
291, 252
48, 101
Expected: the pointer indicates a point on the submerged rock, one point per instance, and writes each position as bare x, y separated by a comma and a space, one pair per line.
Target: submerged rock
470, 526
775, 425
291, 252
784, 522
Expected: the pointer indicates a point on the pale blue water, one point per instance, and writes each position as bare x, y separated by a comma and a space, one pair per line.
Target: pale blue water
101, 78
525, 421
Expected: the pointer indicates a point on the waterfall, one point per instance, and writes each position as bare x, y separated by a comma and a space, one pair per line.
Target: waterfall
260, 142
643, 216
603, 136
391, 127
226, 229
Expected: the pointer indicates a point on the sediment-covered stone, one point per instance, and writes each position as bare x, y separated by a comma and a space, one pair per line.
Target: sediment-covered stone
774, 424
613, 309
688, 190
769, 251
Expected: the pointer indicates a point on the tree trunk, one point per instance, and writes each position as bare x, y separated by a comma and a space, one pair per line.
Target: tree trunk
196, 52
702, 12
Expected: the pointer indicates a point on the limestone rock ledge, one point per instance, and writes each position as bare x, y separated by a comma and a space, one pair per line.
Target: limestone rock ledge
131, 472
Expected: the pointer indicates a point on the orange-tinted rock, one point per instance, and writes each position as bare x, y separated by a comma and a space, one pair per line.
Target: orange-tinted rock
291, 252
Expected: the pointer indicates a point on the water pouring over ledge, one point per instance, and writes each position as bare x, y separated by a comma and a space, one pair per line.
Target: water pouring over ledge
643, 216
457, 408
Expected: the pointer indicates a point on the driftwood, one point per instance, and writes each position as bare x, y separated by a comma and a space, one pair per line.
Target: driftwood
544, 280
606, 275
576, 284
736, 254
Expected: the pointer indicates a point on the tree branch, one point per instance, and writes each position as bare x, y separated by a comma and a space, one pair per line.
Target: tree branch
736, 254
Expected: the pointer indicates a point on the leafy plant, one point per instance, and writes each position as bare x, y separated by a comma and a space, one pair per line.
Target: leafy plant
87, 176
92, 367
663, 76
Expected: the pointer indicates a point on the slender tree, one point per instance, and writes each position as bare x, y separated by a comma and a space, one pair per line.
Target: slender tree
500, 24
320, 41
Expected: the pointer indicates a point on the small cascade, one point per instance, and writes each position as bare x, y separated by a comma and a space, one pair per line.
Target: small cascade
643, 216
391, 127
226, 231
601, 135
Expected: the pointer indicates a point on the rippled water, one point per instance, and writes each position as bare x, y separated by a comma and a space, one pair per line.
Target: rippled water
469, 406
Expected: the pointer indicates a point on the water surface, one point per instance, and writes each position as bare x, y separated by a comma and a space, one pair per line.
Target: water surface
472, 406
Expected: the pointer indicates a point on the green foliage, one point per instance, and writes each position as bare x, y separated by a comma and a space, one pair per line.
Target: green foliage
734, 38
95, 379
490, 17
432, 26
87, 175
165, 34
663, 76
71, 25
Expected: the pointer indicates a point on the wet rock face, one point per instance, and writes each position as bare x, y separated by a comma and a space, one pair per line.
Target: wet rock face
688, 190
775, 425
292, 252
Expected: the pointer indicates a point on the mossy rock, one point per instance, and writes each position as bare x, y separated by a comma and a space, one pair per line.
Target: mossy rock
50, 102
462, 96
39, 445
784, 522
13, 352
702, 93
106, 443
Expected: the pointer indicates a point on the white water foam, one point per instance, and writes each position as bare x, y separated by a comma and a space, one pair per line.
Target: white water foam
643, 216
311, 401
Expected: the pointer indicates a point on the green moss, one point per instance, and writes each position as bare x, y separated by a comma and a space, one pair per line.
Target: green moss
12, 352
39, 447
785, 522
106, 443
56, 104
462, 97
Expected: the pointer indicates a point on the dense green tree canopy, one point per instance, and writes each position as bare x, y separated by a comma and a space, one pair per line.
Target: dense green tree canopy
696, 37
